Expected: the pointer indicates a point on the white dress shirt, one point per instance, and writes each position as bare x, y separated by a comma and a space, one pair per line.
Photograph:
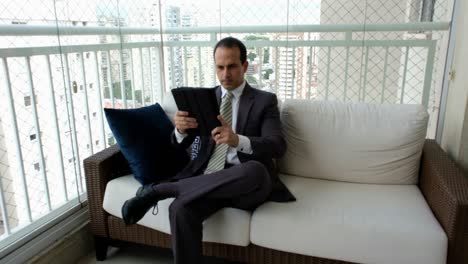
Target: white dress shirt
244, 142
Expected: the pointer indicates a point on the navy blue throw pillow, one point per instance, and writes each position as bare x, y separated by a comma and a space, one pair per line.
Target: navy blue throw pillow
144, 137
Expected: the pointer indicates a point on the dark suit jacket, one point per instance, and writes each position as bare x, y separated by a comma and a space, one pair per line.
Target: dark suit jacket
259, 120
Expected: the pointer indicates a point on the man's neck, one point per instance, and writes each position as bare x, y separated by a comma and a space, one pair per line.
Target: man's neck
236, 91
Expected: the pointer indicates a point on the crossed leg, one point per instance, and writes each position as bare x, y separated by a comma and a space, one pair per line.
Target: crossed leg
244, 186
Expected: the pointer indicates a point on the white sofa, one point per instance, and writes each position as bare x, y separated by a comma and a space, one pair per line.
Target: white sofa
355, 170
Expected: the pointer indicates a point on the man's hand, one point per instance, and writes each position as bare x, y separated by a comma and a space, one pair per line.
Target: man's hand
183, 121
224, 134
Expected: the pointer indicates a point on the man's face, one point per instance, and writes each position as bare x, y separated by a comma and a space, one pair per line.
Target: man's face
229, 69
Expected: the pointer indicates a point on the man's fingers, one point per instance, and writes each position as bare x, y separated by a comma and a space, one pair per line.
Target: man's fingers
223, 123
191, 124
183, 122
182, 113
215, 131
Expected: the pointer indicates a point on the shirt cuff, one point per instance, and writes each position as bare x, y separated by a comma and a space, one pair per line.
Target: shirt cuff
179, 136
244, 145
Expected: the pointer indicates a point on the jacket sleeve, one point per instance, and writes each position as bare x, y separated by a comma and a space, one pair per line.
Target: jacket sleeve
270, 143
185, 144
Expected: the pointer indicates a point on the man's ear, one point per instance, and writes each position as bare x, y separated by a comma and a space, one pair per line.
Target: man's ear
245, 65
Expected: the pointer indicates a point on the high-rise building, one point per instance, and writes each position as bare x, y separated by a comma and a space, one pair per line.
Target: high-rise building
175, 73
289, 71
113, 62
151, 58
47, 160
343, 76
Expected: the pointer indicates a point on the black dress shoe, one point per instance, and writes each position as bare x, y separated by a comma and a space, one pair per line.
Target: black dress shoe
134, 209
145, 190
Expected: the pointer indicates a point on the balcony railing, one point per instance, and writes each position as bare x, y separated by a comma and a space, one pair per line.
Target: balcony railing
53, 95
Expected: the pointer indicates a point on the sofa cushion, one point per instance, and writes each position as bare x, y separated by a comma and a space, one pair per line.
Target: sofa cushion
353, 142
228, 226
362, 223
144, 137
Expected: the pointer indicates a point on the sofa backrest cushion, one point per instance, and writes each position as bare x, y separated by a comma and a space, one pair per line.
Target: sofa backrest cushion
353, 142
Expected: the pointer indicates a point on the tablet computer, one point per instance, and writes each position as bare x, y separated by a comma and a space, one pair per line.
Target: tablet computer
202, 104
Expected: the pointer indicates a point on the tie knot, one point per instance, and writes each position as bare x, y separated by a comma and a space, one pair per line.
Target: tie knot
228, 96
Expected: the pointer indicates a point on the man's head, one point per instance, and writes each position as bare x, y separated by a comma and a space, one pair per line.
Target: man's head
230, 56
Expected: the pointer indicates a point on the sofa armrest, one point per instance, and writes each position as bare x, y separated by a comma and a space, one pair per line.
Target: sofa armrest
100, 168
445, 188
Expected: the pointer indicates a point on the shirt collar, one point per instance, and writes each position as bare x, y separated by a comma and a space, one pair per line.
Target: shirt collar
237, 92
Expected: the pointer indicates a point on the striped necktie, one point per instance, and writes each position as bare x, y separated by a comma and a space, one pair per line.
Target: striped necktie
218, 158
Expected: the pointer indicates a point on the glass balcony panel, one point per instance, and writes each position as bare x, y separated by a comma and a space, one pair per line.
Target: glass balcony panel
64, 61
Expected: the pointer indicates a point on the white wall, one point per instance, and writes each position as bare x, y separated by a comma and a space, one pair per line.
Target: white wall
455, 133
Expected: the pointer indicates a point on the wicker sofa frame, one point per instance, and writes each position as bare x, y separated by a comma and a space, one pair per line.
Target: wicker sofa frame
443, 184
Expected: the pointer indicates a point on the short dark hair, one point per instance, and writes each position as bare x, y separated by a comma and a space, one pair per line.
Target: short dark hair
231, 42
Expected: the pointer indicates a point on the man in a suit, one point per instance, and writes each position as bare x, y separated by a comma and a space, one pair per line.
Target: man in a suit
234, 166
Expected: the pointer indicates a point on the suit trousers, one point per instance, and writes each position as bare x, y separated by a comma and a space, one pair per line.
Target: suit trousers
244, 186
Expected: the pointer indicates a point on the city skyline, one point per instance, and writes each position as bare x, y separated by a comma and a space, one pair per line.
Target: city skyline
208, 13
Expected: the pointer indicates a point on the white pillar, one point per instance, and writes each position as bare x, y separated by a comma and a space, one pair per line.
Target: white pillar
455, 132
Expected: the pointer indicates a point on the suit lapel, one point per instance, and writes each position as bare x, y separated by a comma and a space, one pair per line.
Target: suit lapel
211, 143
245, 104
218, 94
